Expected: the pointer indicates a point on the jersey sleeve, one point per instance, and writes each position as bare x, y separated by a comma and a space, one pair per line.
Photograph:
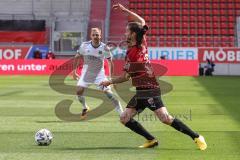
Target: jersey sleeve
81, 50
107, 53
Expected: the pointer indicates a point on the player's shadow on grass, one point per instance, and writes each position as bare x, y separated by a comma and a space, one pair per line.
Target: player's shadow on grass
10, 93
125, 148
57, 121
99, 148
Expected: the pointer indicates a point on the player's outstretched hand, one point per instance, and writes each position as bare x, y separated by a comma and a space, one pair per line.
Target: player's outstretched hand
119, 6
105, 83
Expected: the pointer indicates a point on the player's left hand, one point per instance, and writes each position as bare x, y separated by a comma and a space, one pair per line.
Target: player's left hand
105, 83
119, 6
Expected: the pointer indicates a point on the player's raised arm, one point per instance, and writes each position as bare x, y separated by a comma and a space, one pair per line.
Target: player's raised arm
131, 15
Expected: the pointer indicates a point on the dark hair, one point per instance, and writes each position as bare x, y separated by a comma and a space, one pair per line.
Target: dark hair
139, 30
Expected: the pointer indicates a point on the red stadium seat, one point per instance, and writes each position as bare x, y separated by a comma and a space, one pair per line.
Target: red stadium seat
177, 18
169, 18
185, 39
208, 25
224, 32
177, 5
237, 6
169, 44
223, 12
147, 12
185, 11
185, 31
177, 25
185, 44
170, 12
231, 31
185, 25
200, 39
231, 38
192, 5
207, 5
169, 31
193, 18
147, 18
193, 31
208, 39
200, 18
192, 44
201, 32
161, 31
230, 25
208, 31
154, 18
215, 25
154, 25
169, 5
147, 5
231, 12
161, 18
177, 31
208, 18
193, 25
200, 12
184, 5
230, 5
161, 24
177, 12
224, 25
131, 5
161, 12
215, 5
216, 31
161, 5
156, 12
224, 39
169, 24
193, 11
231, 19
215, 18
208, 12
223, 6
201, 25
215, 12
185, 18
224, 19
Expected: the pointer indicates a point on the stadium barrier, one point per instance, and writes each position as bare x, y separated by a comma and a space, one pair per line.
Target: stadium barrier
65, 67
227, 60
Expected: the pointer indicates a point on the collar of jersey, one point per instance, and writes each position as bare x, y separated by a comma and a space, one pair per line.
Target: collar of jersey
94, 46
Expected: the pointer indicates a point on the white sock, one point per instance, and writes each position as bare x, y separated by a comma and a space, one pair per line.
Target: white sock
115, 102
81, 99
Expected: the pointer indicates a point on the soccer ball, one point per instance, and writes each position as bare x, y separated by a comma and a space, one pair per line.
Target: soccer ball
43, 137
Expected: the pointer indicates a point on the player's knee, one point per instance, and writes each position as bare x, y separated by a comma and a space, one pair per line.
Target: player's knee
79, 91
167, 119
124, 119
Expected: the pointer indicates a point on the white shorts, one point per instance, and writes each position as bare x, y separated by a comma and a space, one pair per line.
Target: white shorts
98, 80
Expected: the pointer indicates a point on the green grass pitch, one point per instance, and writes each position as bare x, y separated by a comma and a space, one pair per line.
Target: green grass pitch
209, 105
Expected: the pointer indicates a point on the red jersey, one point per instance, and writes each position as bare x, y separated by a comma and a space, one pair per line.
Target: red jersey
139, 68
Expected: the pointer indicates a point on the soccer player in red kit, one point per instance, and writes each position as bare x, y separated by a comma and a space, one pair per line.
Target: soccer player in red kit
148, 94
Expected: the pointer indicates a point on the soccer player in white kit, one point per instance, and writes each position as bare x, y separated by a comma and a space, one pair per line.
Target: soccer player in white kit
93, 53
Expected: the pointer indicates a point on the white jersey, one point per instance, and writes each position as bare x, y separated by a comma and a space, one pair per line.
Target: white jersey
93, 66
